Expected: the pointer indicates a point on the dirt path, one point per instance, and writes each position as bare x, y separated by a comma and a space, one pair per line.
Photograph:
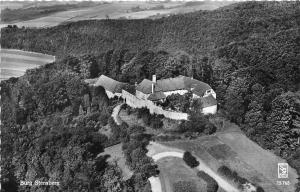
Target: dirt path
158, 151
115, 114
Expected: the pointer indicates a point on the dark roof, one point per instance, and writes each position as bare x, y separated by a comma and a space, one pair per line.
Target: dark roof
146, 87
156, 96
172, 84
208, 101
110, 84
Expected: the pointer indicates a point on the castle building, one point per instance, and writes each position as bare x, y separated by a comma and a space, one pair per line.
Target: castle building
158, 90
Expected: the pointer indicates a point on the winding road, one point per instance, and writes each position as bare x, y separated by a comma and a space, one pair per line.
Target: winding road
158, 151
156, 183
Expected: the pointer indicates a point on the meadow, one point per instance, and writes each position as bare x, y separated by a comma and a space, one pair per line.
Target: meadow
14, 62
175, 175
242, 155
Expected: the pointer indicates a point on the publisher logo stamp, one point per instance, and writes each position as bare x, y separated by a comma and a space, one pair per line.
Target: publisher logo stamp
283, 169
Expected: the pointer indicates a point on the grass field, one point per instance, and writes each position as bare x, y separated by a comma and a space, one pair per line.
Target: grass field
14, 63
174, 172
259, 159
116, 10
236, 151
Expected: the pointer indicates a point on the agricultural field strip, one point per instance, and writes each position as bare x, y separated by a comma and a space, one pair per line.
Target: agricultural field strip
115, 11
27, 57
7, 71
23, 58
25, 53
14, 62
80, 14
6, 61
19, 66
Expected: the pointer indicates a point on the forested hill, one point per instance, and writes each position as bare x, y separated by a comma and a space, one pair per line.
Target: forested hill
248, 52
198, 32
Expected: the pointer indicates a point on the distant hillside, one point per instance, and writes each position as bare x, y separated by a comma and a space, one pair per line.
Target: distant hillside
48, 14
201, 31
27, 4
247, 36
37, 10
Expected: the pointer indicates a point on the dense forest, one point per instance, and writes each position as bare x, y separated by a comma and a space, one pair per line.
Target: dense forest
50, 127
248, 52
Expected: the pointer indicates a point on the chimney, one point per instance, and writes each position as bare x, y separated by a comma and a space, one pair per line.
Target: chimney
152, 87
154, 78
153, 82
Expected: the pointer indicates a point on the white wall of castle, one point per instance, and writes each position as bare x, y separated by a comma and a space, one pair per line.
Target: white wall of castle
136, 102
144, 96
109, 94
210, 92
210, 110
112, 95
196, 96
181, 92
207, 110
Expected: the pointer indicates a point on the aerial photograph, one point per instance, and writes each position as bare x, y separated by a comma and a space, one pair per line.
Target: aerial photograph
150, 96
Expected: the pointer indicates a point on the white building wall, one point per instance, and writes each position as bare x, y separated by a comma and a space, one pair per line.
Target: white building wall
196, 96
118, 94
109, 94
181, 92
135, 102
210, 110
112, 95
210, 92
